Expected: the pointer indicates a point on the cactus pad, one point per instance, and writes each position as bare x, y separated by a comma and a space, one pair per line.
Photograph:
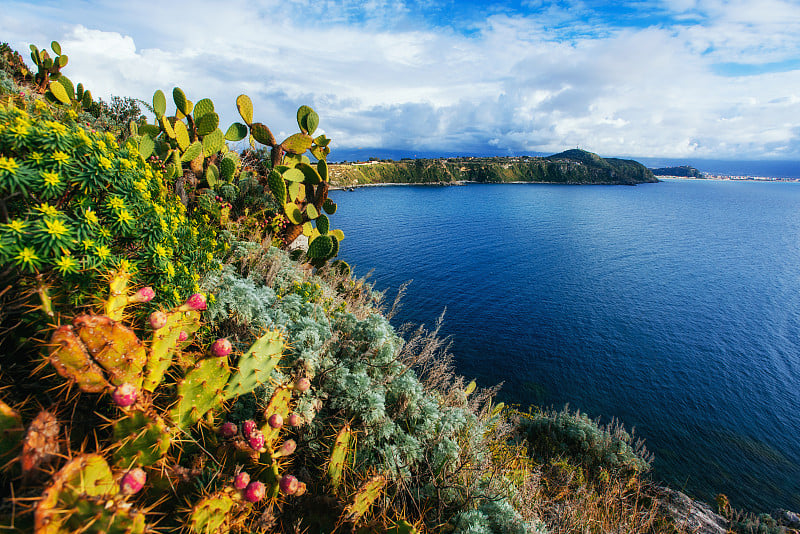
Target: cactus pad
307, 119
70, 360
279, 403
236, 132
203, 107
245, 106
207, 123
192, 151
293, 213
59, 92
310, 174
159, 103
165, 343
367, 494
321, 247
210, 514
339, 453
11, 432
114, 347
214, 141
142, 440
180, 101
262, 134
329, 206
311, 211
228, 166
200, 391
323, 223
256, 365
297, 143
166, 125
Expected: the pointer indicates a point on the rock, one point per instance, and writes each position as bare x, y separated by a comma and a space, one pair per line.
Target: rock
788, 518
301, 242
694, 516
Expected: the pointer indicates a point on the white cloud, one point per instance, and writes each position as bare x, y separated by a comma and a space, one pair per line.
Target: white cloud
514, 83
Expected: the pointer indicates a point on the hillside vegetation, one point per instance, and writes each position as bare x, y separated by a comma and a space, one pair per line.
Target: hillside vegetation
167, 365
570, 167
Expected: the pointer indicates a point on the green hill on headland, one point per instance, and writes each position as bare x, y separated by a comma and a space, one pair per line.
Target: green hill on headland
571, 167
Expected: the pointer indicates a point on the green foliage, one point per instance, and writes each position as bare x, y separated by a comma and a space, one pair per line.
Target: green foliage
77, 203
584, 441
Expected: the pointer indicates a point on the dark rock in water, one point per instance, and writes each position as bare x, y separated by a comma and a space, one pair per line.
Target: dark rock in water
788, 518
694, 516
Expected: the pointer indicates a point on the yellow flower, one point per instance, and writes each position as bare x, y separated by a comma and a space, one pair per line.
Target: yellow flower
125, 164
39, 105
56, 127
159, 209
87, 244
116, 202
36, 157
55, 227
17, 226
176, 295
160, 251
195, 277
105, 232
66, 264
103, 252
47, 209
124, 217
27, 256
72, 115
101, 145
111, 140
106, 163
51, 179
85, 138
20, 128
133, 151
91, 217
170, 270
209, 257
60, 157
140, 185
9, 165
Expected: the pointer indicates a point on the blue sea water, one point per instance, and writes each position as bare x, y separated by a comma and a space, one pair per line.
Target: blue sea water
674, 307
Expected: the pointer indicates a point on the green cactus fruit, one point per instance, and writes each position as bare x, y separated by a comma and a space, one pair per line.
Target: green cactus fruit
256, 365
262, 134
307, 119
310, 174
367, 494
210, 514
56, 47
338, 234
86, 101
227, 166
280, 404
59, 92
214, 141
11, 433
192, 151
329, 206
203, 107
165, 342
245, 106
159, 103
200, 391
207, 123
320, 248
41, 444
339, 453
80, 498
114, 347
180, 134
146, 146
311, 212
322, 169
293, 213
277, 187
212, 175
70, 360
141, 440
168, 128
293, 175
297, 143
181, 101
323, 224
236, 132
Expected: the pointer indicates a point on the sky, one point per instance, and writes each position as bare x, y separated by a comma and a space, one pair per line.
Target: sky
635, 78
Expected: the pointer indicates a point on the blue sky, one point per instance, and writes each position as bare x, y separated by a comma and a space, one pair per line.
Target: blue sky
642, 78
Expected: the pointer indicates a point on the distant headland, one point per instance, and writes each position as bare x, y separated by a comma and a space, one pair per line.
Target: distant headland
570, 167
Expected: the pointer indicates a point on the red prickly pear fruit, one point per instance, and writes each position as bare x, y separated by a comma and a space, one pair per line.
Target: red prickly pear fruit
255, 491
241, 481
196, 302
289, 485
133, 481
248, 427
294, 420
275, 421
302, 384
183, 336
228, 430
256, 440
288, 447
221, 347
301, 489
158, 319
125, 395
145, 294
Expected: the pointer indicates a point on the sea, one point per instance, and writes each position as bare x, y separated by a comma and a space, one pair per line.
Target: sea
673, 308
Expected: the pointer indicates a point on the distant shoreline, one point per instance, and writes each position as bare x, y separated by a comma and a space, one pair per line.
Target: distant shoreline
730, 178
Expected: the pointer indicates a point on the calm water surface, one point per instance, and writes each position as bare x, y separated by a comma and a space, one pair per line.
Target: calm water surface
674, 307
